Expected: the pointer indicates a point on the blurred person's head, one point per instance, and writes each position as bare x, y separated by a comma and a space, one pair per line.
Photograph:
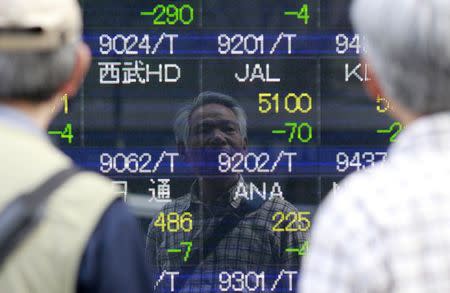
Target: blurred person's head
408, 51
213, 123
41, 54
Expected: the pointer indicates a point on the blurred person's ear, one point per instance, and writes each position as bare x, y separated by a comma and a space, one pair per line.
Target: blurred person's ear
396, 111
372, 85
82, 65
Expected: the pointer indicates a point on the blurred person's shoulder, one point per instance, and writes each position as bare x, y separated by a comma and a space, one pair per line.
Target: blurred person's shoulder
94, 184
84, 199
374, 194
72, 211
28, 160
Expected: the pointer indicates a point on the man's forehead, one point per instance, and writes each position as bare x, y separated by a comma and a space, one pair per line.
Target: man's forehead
212, 112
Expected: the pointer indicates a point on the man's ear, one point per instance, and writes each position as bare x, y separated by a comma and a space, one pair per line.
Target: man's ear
82, 64
181, 147
372, 85
244, 145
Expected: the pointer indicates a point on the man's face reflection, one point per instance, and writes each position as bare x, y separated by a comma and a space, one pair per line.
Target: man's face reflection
214, 130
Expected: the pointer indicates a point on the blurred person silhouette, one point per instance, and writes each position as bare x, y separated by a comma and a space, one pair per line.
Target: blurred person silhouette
387, 228
229, 232
85, 240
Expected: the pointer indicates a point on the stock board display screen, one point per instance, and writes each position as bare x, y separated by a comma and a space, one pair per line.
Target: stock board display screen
294, 67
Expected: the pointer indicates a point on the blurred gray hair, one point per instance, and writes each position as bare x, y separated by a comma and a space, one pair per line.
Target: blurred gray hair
181, 125
35, 76
408, 47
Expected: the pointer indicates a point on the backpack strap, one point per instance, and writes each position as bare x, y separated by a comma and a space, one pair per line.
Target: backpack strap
23, 214
226, 225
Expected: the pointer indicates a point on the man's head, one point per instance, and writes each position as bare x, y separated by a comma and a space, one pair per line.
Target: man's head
41, 54
408, 49
213, 123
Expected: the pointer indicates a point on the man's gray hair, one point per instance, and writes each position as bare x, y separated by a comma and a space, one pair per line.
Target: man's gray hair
408, 46
181, 125
35, 76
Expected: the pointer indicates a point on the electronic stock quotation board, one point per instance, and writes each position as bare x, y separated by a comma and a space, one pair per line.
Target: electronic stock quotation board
293, 65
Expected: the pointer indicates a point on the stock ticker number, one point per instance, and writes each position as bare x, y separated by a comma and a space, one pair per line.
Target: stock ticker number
250, 44
135, 163
253, 162
296, 222
173, 222
293, 103
171, 14
357, 161
238, 281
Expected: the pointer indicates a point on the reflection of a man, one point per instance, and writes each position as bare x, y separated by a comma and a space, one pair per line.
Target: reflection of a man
215, 123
